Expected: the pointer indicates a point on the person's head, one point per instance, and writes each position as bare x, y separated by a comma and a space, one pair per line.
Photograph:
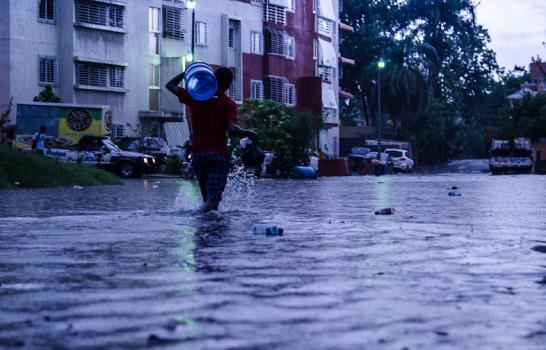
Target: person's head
43, 129
224, 76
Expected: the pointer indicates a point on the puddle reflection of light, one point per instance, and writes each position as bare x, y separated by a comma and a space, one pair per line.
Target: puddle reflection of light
382, 192
189, 196
185, 248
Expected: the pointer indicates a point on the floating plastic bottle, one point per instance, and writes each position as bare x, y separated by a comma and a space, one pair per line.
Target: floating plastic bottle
200, 81
385, 211
267, 229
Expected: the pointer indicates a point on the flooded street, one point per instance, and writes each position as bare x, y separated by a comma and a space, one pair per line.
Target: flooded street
135, 266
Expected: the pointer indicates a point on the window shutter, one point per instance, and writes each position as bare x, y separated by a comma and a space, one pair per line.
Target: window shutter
101, 14
173, 22
48, 70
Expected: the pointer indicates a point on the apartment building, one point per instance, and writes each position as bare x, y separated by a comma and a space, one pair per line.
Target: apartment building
121, 53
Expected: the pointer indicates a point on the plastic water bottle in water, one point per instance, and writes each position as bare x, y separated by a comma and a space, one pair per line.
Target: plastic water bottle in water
385, 211
200, 81
267, 229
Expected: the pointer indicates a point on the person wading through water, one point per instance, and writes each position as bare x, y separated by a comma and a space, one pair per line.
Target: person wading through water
211, 120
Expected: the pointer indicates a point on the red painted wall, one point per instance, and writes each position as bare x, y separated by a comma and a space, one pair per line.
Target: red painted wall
252, 70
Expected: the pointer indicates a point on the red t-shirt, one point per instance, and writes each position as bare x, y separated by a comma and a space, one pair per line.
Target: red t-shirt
209, 121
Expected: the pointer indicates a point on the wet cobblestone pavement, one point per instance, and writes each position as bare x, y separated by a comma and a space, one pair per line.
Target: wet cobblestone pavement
135, 266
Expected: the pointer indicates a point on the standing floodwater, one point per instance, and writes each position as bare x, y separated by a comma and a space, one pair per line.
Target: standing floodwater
135, 266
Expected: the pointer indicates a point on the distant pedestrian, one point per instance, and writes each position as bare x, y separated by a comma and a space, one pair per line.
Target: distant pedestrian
39, 139
11, 136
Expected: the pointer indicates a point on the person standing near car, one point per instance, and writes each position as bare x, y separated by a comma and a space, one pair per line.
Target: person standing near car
38, 140
211, 120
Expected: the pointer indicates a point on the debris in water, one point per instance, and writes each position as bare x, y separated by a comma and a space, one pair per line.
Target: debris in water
16, 183
155, 186
540, 249
154, 340
77, 187
454, 194
268, 230
385, 211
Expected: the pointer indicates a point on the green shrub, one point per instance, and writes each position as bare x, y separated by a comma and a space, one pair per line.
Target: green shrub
33, 170
281, 131
172, 166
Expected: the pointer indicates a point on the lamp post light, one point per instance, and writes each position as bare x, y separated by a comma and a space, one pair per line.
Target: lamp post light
191, 6
381, 64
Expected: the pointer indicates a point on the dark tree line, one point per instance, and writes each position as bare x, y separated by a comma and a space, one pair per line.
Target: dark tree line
439, 73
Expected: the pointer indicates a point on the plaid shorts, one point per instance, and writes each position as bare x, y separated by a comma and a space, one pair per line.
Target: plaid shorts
211, 169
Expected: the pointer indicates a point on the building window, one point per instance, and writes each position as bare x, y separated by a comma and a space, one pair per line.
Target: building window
256, 43
278, 42
117, 131
326, 27
256, 90
100, 14
291, 5
289, 47
289, 95
47, 11
154, 76
234, 91
274, 88
153, 28
154, 87
329, 115
201, 33
232, 38
327, 73
154, 99
274, 13
117, 76
48, 70
100, 75
174, 22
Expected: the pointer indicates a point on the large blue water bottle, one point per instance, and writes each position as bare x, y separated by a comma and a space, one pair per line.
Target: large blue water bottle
200, 81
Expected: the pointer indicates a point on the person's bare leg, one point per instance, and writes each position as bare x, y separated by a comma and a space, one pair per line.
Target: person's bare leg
210, 205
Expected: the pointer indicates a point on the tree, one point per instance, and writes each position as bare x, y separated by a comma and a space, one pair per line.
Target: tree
5, 119
281, 131
439, 63
47, 95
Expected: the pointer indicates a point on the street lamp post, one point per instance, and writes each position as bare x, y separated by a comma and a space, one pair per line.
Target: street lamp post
380, 66
191, 6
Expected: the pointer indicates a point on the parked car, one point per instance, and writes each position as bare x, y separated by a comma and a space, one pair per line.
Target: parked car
101, 152
401, 160
154, 146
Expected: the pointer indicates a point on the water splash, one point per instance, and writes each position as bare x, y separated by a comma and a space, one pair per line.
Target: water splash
188, 197
240, 189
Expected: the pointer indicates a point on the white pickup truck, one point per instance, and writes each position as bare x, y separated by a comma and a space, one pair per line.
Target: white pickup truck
511, 156
102, 152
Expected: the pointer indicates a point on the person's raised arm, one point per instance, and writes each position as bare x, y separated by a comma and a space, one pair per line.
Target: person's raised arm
172, 85
236, 130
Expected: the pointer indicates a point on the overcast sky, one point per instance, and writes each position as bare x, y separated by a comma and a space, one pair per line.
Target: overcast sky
517, 29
